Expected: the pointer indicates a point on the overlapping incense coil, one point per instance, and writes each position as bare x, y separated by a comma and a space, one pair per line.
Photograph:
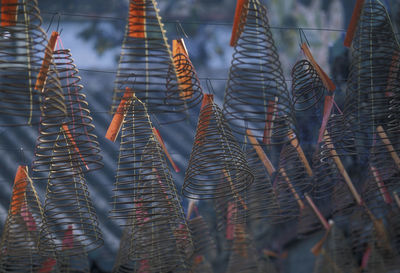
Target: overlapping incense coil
146, 64
145, 198
260, 195
215, 157
22, 46
243, 256
78, 123
68, 207
371, 83
20, 237
291, 182
256, 92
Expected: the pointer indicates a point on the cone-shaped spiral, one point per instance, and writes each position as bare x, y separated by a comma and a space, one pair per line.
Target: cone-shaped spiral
78, 124
20, 238
22, 48
146, 64
256, 91
216, 157
371, 84
146, 200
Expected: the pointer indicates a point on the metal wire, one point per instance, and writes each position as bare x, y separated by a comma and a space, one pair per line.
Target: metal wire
256, 90
215, 157
145, 198
22, 47
79, 122
146, 65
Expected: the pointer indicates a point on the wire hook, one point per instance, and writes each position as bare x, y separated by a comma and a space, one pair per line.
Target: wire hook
303, 35
179, 30
58, 22
210, 86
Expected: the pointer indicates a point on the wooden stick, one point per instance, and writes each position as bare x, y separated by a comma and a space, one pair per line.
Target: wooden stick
317, 248
192, 204
116, 123
238, 197
381, 185
353, 23
295, 143
292, 189
341, 168
317, 212
385, 139
397, 199
260, 152
48, 56
241, 8
160, 140
269, 123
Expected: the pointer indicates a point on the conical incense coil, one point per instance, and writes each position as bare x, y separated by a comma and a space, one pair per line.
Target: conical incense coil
68, 207
243, 257
22, 47
50, 128
260, 195
291, 182
215, 154
78, 124
146, 64
20, 238
370, 86
123, 264
204, 245
256, 92
146, 199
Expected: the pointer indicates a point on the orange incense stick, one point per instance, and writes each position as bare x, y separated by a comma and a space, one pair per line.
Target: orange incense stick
48, 56
341, 168
72, 140
328, 105
295, 143
317, 248
381, 185
292, 189
260, 152
192, 204
353, 23
161, 141
116, 123
240, 16
204, 119
269, 123
385, 139
9, 12
137, 19
317, 212
238, 197
20, 183
179, 52
324, 77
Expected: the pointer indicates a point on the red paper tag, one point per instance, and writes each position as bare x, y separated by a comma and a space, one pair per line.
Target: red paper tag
161, 141
240, 14
353, 23
137, 19
18, 195
48, 56
230, 226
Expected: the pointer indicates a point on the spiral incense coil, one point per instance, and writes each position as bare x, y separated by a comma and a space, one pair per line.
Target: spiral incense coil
20, 237
70, 215
215, 155
204, 245
78, 123
370, 85
256, 92
123, 264
76, 264
261, 198
146, 64
22, 45
308, 222
243, 257
230, 210
291, 182
145, 198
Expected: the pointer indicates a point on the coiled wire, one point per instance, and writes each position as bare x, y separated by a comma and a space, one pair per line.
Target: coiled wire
146, 65
78, 121
145, 198
22, 46
256, 91
215, 156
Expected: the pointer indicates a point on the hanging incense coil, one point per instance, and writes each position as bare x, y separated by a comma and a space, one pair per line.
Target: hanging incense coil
78, 122
215, 155
145, 197
20, 237
76, 264
291, 182
243, 256
370, 85
204, 245
146, 65
256, 92
308, 222
230, 210
122, 262
22, 45
261, 197
68, 207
